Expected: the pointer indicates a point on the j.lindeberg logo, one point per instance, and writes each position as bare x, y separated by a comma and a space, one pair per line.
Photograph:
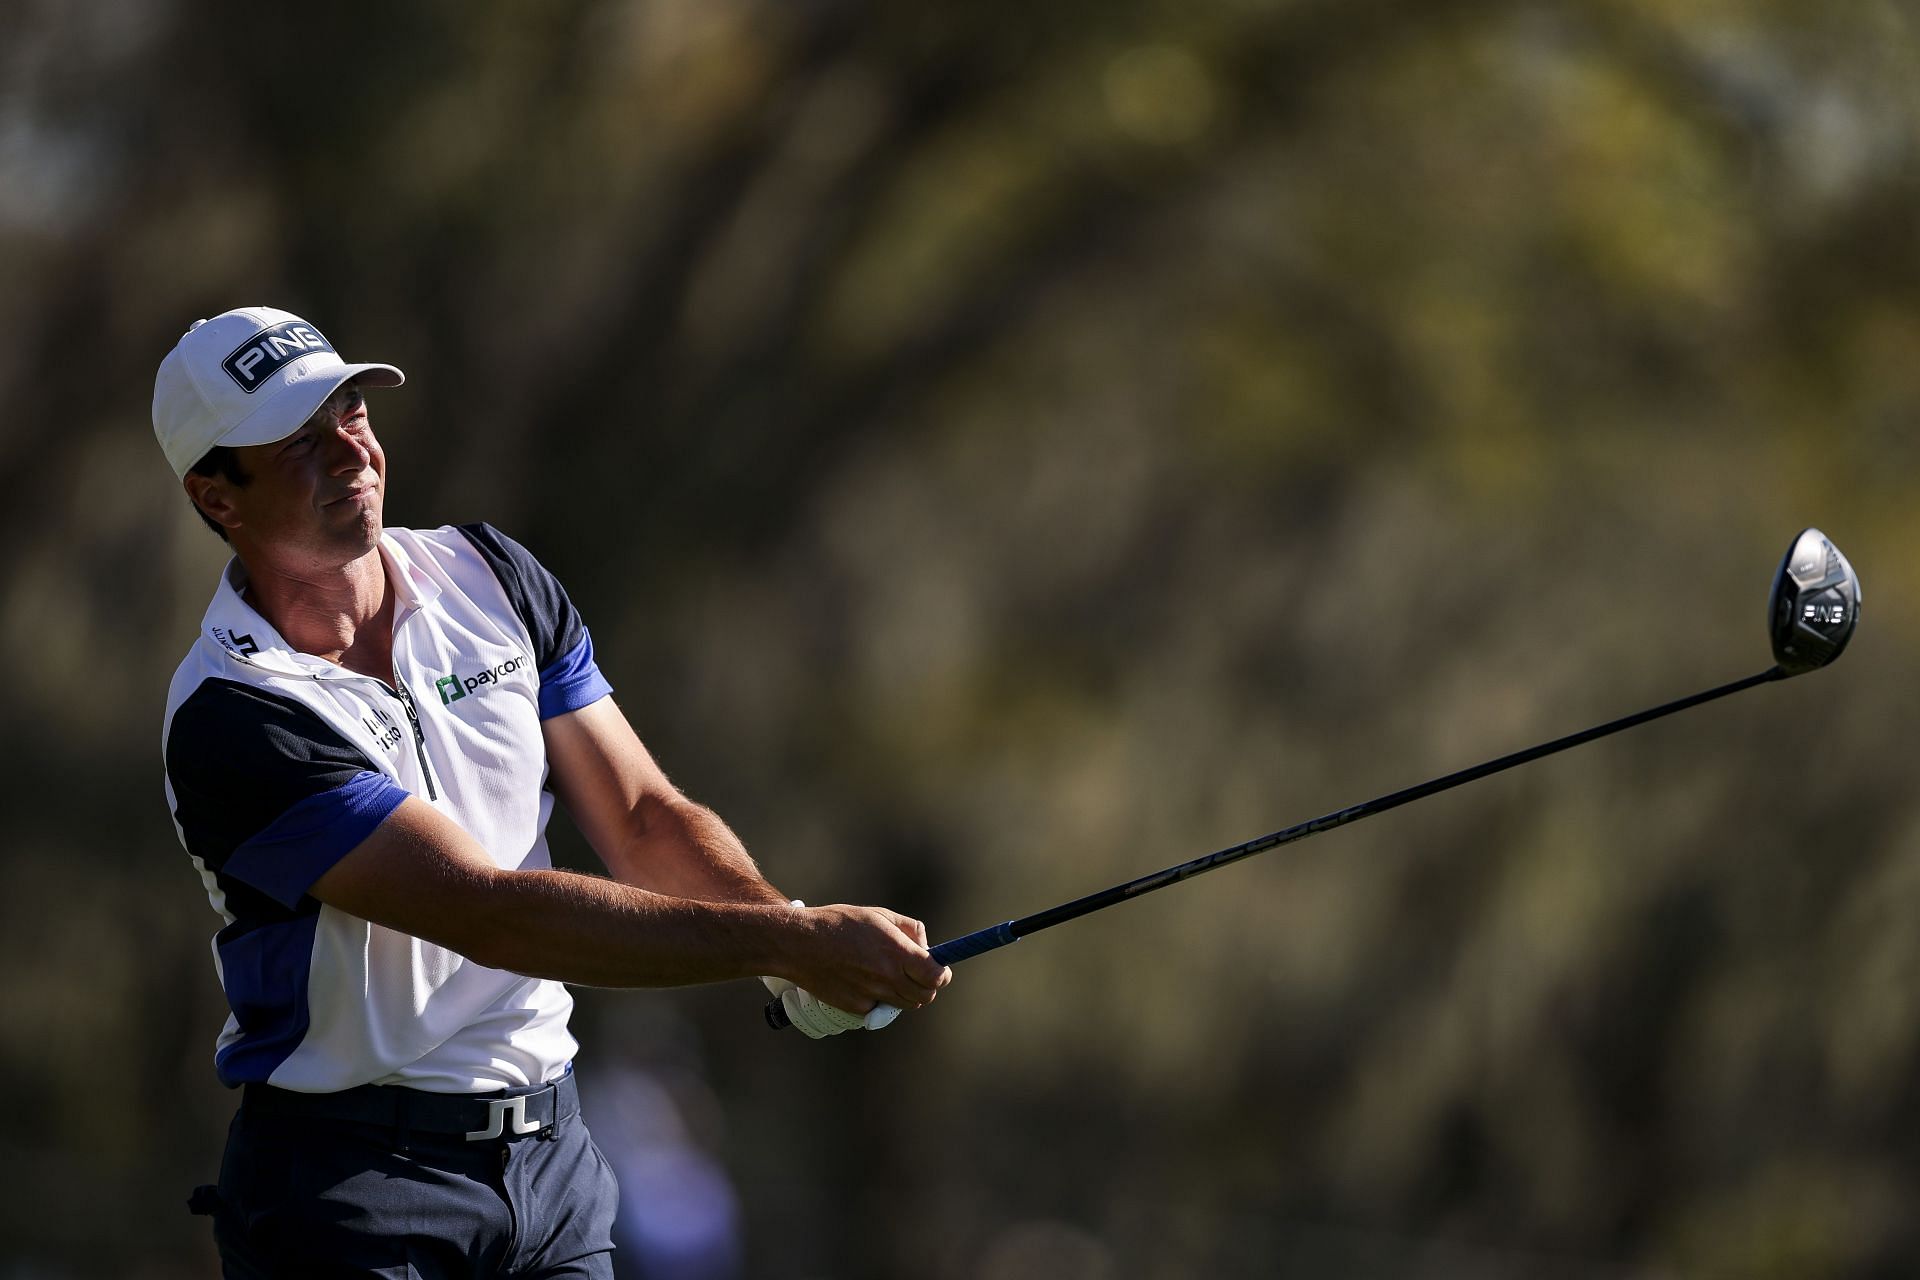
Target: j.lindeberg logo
260, 356
453, 688
242, 645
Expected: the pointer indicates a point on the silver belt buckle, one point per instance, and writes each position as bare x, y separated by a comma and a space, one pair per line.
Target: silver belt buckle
497, 1110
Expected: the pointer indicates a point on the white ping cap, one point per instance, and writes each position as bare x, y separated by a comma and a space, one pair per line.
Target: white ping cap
249, 376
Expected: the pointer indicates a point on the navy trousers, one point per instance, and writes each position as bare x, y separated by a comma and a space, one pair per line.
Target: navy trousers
336, 1196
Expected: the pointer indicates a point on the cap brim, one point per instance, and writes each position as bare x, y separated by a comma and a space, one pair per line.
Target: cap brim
290, 408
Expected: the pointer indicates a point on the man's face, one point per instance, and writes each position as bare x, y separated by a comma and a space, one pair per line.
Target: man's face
315, 497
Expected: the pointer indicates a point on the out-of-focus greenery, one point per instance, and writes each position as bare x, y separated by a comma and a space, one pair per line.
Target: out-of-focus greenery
1003, 449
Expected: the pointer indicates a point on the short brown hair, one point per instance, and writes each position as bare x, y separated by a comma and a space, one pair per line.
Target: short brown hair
222, 460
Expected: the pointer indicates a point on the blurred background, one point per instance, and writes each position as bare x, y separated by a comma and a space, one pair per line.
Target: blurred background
1002, 449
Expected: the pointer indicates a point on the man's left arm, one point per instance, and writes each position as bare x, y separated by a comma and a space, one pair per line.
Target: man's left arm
647, 832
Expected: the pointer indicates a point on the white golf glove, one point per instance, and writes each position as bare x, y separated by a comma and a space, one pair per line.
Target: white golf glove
811, 1014
818, 1019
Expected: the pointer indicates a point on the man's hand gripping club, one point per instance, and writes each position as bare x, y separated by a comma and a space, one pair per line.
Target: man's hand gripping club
859, 967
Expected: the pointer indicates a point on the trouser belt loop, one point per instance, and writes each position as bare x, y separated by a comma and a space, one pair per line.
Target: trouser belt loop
402, 1122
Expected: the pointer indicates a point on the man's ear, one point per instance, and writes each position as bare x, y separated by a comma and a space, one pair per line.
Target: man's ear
214, 496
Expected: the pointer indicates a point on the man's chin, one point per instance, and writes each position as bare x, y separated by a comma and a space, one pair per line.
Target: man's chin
360, 533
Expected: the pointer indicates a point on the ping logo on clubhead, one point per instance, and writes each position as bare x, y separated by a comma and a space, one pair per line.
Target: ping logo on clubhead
271, 350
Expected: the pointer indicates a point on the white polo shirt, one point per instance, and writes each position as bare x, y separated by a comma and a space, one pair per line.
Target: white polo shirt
279, 763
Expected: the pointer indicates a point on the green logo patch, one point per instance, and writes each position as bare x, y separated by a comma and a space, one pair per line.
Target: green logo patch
455, 687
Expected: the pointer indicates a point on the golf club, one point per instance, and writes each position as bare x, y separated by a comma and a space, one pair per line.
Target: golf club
1810, 617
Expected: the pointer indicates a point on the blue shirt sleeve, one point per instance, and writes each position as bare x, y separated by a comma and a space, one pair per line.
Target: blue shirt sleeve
268, 793
300, 845
572, 682
563, 651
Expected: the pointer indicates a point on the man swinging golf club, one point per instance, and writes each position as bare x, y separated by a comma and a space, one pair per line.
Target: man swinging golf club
363, 747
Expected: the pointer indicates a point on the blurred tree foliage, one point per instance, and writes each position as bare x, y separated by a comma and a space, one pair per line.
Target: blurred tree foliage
1004, 449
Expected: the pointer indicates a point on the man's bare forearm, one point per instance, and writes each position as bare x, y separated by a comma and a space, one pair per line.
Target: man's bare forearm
419, 873
685, 850
597, 932
644, 828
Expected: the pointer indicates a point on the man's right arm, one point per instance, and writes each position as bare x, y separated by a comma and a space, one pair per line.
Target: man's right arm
420, 873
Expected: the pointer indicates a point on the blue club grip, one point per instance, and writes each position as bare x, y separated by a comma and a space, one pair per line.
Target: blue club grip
965, 948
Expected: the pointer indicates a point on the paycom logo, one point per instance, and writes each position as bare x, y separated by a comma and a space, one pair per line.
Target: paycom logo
455, 687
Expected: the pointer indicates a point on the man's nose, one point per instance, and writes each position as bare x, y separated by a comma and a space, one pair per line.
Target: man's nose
348, 454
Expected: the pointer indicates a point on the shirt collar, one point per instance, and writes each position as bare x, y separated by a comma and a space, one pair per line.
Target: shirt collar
413, 587
245, 633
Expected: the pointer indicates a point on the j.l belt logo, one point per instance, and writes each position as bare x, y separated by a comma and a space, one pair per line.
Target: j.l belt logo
275, 348
455, 687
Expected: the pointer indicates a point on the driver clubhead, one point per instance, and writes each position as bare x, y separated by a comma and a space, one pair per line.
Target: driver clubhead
1816, 602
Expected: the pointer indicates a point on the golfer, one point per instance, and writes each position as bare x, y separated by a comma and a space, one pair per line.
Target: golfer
362, 750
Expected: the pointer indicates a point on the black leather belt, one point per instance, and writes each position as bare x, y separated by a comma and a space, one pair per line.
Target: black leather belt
477, 1117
